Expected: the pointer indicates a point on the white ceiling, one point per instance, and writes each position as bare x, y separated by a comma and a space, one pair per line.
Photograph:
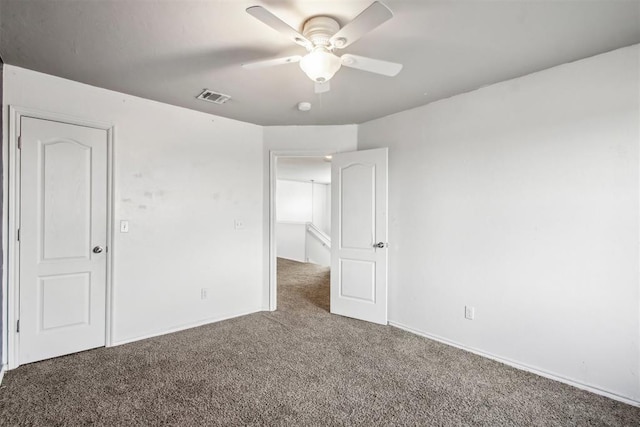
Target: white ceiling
317, 169
170, 50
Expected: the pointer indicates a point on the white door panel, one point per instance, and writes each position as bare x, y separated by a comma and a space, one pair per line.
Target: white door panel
66, 199
63, 216
358, 208
359, 222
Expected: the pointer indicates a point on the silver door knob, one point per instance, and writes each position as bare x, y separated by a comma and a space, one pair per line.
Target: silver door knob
381, 245
97, 250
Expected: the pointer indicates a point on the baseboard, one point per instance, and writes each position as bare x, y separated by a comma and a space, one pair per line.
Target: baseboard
313, 261
183, 327
2, 369
292, 259
520, 366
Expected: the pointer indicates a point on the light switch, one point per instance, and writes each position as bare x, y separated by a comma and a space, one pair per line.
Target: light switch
469, 312
124, 226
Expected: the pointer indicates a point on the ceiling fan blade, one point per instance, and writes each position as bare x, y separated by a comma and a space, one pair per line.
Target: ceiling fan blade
266, 17
368, 19
322, 87
377, 66
264, 63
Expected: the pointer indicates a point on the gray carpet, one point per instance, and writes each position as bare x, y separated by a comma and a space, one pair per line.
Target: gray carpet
296, 366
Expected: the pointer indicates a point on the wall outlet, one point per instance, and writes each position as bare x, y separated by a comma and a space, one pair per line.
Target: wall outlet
469, 312
204, 293
238, 224
124, 226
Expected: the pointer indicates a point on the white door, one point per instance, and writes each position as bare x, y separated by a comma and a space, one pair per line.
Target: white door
63, 233
359, 235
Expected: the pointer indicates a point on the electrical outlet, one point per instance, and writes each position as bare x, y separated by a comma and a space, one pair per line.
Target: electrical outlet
204, 293
469, 312
238, 224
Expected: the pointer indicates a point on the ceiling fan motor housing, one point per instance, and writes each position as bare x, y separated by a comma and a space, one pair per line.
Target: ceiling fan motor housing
320, 29
320, 64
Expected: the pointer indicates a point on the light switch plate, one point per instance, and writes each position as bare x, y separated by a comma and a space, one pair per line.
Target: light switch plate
124, 226
469, 312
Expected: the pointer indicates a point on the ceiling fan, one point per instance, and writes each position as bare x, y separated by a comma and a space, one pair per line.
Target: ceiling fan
322, 36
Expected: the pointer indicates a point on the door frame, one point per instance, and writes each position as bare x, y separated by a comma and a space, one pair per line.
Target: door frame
273, 158
11, 279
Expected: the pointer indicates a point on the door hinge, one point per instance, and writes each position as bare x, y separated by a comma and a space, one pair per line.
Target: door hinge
20, 142
18, 234
18, 326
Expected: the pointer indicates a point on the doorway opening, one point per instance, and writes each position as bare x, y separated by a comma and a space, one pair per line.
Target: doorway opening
300, 220
358, 254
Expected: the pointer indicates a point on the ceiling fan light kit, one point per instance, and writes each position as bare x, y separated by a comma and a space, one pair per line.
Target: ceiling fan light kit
321, 36
320, 64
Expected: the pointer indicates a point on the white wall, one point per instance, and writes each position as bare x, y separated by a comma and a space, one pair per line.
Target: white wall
291, 240
294, 201
311, 139
521, 199
294, 208
322, 207
181, 178
299, 203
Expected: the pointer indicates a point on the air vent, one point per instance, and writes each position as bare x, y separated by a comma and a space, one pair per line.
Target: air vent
215, 97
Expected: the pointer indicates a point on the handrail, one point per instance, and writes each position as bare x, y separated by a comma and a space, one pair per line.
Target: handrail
319, 234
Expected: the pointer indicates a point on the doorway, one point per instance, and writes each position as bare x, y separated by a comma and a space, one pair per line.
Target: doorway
301, 214
359, 229
60, 236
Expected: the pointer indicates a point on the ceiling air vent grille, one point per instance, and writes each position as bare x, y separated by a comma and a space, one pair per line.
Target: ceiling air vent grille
215, 97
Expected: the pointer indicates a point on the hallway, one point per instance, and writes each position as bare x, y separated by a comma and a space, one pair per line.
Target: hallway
302, 287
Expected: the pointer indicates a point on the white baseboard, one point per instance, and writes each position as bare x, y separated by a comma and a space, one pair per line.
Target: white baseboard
183, 327
2, 370
520, 366
292, 259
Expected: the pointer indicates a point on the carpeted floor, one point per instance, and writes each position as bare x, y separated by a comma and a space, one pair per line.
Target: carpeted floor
296, 366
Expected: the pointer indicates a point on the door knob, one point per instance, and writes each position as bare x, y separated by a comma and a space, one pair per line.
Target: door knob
381, 245
97, 250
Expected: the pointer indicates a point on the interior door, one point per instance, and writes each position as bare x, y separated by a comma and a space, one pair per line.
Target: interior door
62, 237
359, 235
